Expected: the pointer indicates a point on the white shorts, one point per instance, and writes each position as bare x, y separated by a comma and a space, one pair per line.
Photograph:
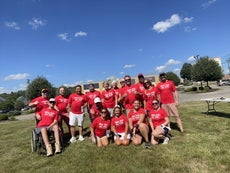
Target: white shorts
121, 135
73, 118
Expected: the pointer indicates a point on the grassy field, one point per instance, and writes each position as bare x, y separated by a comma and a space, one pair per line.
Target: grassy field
203, 148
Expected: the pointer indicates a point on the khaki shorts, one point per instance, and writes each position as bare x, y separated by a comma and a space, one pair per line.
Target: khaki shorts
171, 109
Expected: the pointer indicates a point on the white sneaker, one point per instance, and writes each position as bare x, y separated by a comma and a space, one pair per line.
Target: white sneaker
81, 138
166, 140
72, 140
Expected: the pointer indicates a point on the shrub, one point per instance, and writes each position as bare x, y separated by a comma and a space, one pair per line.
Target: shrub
3, 117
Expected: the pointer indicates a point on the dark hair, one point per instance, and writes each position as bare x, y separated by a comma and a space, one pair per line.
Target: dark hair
162, 74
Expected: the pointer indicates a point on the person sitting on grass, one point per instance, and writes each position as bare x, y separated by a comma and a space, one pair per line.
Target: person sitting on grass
119, 126
99, 128
138, 125
48, 121
159, 120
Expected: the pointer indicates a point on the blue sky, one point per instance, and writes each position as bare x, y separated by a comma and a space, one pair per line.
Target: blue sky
76, 41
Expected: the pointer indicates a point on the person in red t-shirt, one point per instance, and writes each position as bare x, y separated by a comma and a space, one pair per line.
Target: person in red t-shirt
95, 110
119, 126
149, 94
130, 93
76, 104
99, 128
61, 103
91, 95
108, 97
40, 102
169, 98
158, 120
48, 120
141, 88
138, 125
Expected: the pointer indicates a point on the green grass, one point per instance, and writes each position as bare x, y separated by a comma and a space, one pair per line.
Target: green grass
203, 148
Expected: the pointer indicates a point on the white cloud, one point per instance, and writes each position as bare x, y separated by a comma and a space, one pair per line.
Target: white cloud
172, 61
208, 3
163, 26
36, 23
13, 25
129, 65
188, 19
189, 29
191, 58
49, 65
122, 72
176, 70
64, 36
160, 68
80, 34
18, 76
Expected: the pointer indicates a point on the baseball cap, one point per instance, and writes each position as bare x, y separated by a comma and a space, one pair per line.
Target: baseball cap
52, 100
97, 100
45, 90
140, 75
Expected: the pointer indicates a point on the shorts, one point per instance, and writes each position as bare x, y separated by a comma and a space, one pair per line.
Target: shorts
38, 129
121, 135
171, 109
73, 118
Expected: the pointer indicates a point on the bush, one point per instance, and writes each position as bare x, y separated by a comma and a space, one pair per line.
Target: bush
14, 113
3, 117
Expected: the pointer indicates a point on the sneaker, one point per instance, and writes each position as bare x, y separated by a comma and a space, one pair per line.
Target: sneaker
73, 139
166, 140
147, 145
81, 138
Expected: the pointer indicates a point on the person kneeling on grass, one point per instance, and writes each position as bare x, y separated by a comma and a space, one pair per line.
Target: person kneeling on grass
99, 128
158, 119
48, 121
119, 126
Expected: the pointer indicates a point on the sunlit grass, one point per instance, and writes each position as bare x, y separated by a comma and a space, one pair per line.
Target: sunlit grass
203, 148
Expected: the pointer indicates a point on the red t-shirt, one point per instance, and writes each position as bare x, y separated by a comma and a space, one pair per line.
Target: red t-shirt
157, 117
61, 103
91, 96
47, 117
119, 123
131, 96
149, 96
95, 110
42, 103
109, 97
166, 90
100, 126
77, 102
135, 115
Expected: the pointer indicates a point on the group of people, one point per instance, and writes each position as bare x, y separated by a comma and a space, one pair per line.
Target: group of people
131, 113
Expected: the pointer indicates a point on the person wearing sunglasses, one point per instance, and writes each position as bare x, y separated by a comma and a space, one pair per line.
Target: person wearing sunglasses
159, 120
99, 128
48, 121
169, 99
119, 126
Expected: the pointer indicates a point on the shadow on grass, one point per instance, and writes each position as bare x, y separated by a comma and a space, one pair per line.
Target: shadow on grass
218, 114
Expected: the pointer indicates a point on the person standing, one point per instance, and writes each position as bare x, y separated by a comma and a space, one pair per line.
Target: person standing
168, 97
76, 104
141, 88
61, 103
91, 95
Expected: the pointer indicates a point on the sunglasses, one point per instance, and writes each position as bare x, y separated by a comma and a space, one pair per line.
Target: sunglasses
52, 102
127, 79
103, 112
155, 103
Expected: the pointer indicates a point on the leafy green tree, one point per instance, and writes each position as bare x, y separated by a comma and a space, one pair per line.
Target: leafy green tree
186, 71
34, 88
7, 105
18, 105
206, 69
173, 77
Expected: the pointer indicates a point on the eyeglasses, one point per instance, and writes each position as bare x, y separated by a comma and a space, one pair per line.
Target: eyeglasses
103, 112
155, 103
127, 79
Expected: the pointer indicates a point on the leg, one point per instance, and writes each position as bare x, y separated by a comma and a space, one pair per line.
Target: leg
72, 123
57, 139
46, 141
104, 141
144, 129
137, 139
80, 119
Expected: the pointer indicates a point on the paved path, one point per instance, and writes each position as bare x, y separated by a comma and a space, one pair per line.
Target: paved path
223, 91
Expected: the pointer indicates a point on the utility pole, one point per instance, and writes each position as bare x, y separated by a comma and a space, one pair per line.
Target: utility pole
228, 61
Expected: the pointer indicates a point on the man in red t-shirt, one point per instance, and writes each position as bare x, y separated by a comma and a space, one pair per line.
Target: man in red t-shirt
169, 98
91, 95
61, 103
76, 104
40, 102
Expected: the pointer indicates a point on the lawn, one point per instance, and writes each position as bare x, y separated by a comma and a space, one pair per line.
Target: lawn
203, 148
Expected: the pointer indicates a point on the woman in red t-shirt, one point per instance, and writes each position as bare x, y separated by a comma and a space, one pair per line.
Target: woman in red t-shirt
158, 120
99, 127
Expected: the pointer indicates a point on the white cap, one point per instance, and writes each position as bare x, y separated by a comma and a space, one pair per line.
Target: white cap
97, 100
52, 100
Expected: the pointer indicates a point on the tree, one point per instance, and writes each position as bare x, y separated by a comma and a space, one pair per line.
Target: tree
34, 88
172, 76
186, 71
206, 69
